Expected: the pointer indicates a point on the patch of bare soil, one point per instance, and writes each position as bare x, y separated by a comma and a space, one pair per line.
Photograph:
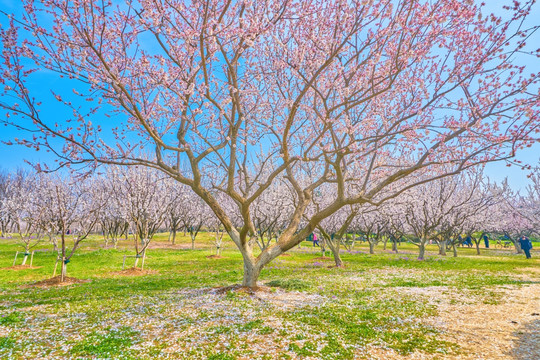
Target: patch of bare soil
215, 257
133, 272
21, 267
509, 329
57, 281
285, 254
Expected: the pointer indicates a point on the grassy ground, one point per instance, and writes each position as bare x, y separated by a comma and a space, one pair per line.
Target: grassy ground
311, 311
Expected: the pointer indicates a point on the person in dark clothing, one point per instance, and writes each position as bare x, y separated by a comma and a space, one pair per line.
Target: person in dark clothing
486, 241
526, 246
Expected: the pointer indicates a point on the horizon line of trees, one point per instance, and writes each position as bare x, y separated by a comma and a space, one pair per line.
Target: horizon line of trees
140, 201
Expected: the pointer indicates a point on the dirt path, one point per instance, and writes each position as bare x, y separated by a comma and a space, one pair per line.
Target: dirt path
506, 327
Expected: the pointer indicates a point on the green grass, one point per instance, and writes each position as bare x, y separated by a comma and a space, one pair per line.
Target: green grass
168, 313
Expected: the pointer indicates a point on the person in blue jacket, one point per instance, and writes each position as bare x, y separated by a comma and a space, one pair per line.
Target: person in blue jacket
526, 246
486, 241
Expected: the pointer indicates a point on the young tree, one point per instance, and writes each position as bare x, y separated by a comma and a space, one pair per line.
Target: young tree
111, 221
142, 199
334, 228
5, 216
74, 207
243, 94
271, 211
177, 198
25, 208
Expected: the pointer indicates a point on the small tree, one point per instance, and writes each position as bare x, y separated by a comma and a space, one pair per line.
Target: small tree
74, 207
25, 208
142, 199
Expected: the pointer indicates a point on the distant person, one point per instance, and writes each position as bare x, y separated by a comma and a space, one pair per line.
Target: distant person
486, 241
315, 240
468, 241
526, 246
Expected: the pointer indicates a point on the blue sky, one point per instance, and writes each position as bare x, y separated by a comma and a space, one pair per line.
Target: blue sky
12, 157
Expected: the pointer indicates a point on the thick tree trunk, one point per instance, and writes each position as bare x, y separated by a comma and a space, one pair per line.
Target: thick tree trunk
174, 236
442, 248
251, 274
394, 246
454, 248
421, 250
371, 247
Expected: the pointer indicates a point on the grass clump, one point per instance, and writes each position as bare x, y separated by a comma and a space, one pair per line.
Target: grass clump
11, 318
6, 342
112, 343
289, 284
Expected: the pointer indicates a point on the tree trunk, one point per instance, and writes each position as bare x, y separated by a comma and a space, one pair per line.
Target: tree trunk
337, 259
371, 247
25, 256
174, 236
442, 248
421, 250
192, 243
54, 242
335, 252
251, 274
394, 246
477, 247
384, 244
517, 245
454, 248
64, 270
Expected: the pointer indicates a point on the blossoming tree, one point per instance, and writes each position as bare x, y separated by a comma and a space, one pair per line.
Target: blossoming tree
228, 96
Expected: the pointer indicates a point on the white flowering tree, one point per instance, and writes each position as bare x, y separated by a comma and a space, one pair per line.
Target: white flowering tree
25, 208
74, 207
141, 198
